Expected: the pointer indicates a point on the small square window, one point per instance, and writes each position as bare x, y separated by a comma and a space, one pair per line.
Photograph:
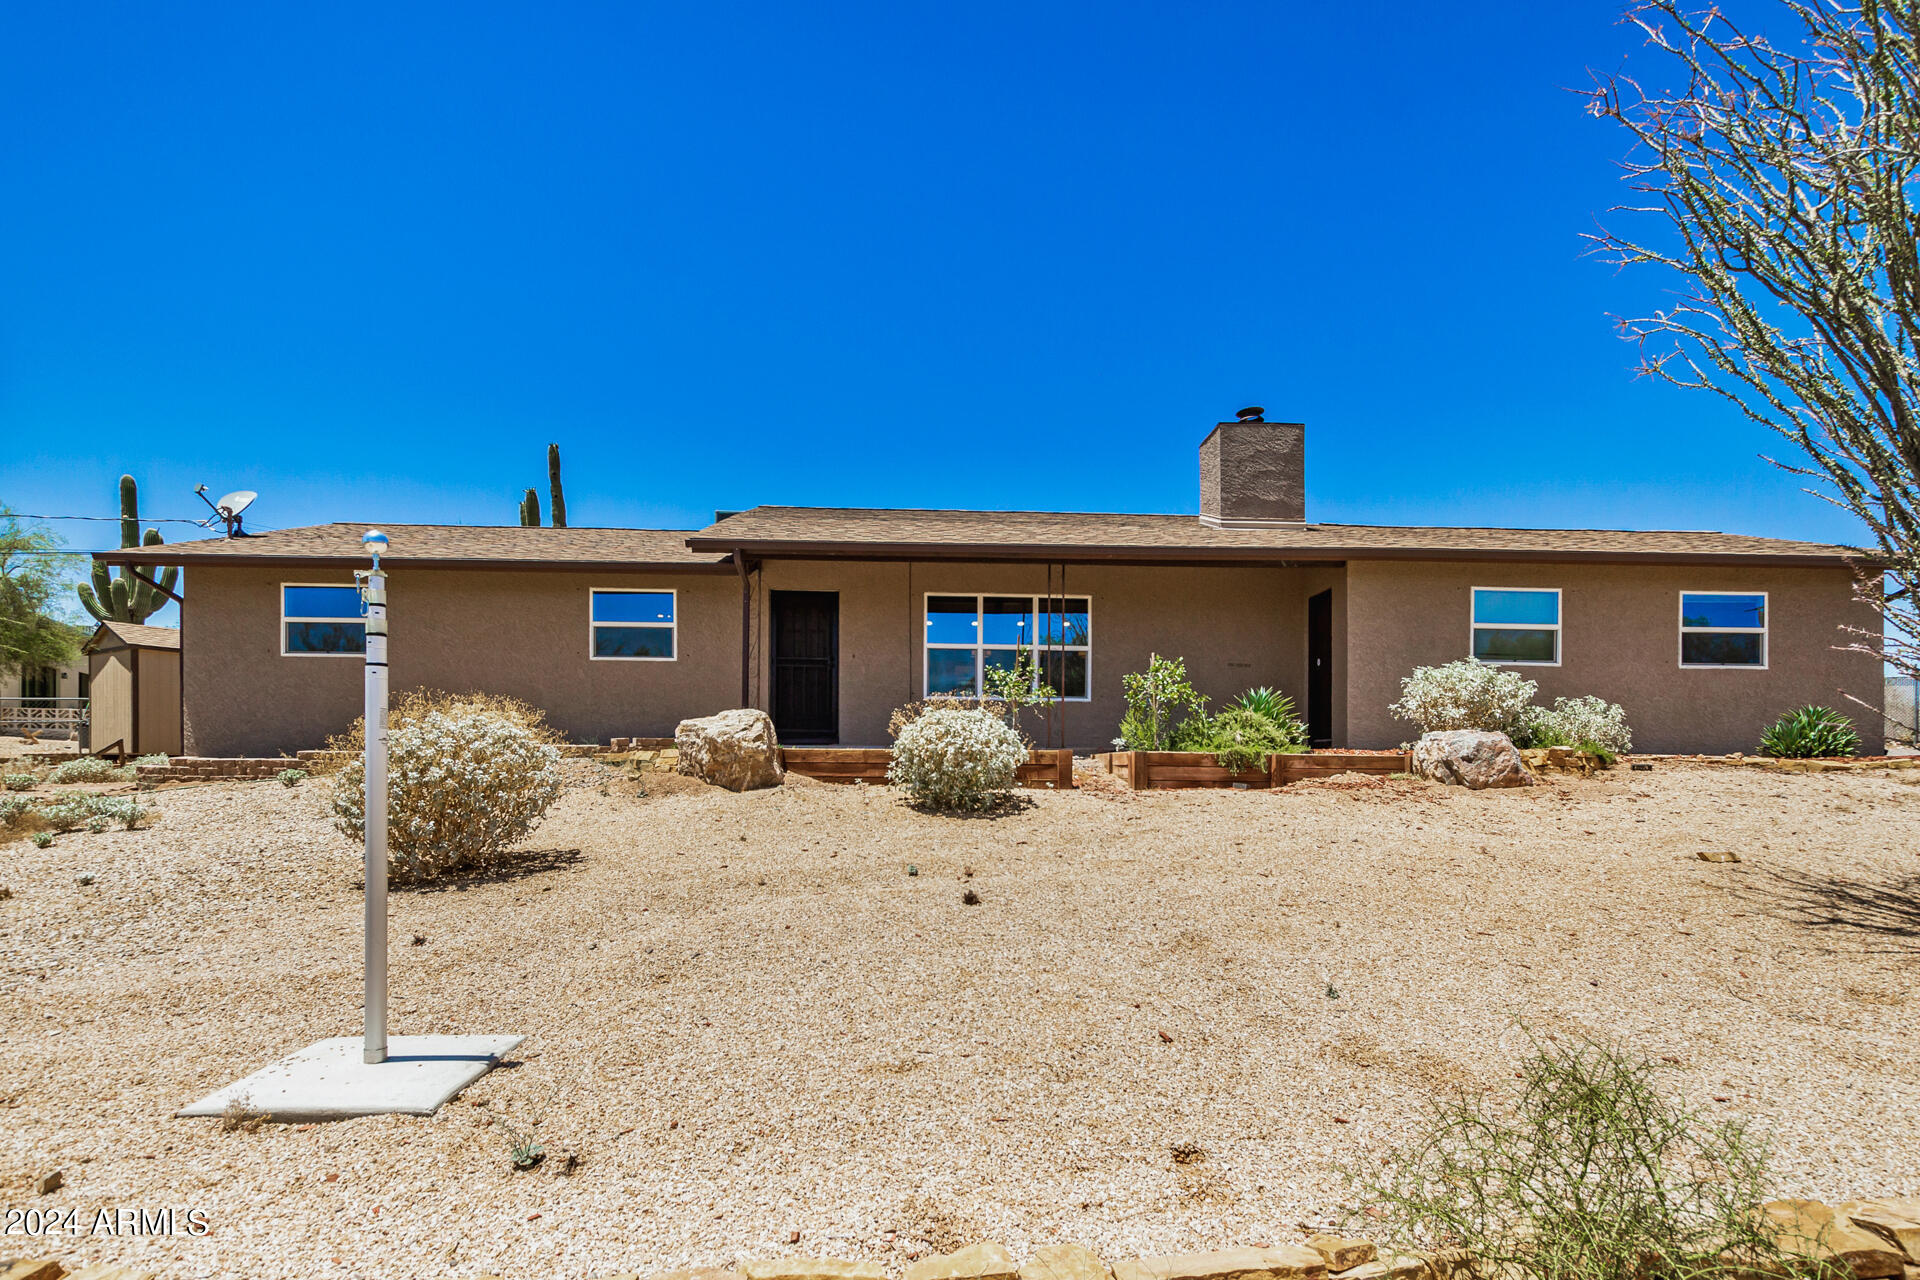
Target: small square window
632, 626
323, 619
1519, 625
1723, 629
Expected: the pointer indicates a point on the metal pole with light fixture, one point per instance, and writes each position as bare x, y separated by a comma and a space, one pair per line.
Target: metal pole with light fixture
364, 1075
374, 591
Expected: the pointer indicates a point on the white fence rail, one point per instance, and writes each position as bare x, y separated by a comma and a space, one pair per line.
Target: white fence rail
33, 717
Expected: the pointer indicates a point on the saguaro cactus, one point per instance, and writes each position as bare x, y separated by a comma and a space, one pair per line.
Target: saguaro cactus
530, 510
553, 479
124, 597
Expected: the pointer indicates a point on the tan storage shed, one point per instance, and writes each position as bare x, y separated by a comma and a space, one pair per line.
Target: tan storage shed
134, 684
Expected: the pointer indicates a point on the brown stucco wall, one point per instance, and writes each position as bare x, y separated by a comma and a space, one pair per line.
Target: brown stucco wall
523, 634
1619, 640
1236, 627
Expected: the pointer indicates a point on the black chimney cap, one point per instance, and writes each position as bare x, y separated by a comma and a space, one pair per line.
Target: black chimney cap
1252, 413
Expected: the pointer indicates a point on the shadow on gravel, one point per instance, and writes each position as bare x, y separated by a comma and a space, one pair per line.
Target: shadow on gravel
508, 867
1005, 806
1888, 910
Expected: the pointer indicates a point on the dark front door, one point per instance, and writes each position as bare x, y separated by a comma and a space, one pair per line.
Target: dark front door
806, 666
1320, 669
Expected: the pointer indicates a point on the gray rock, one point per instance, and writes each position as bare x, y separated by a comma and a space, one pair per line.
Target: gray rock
735, 749
1472, 759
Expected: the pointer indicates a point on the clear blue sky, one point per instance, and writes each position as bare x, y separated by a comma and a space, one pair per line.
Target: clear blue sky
369, 260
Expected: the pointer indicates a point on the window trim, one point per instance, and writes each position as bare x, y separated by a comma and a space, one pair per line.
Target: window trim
1764, 631
980, 647
593, 626
1474, 626
285, 652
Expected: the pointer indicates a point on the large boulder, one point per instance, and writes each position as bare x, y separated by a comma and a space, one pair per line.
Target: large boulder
1472, 759
735, 749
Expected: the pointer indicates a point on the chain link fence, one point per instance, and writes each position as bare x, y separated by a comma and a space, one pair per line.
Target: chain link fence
1902, 710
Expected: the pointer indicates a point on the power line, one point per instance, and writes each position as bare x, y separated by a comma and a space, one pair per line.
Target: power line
22, 515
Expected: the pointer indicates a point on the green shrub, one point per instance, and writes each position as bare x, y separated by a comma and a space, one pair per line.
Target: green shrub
98, 823
1243, 739
291, 777
41, 839
83, 769
158, 760
1810, 732
1160, 706
957, 759
1584, 1172
20, 781
12, 808
1277, 708
1572, 722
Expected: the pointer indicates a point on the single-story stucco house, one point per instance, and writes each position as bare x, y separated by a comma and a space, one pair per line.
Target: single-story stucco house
831, 618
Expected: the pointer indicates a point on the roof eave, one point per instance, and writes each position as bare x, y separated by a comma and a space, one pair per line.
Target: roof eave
145, 556
1038, 552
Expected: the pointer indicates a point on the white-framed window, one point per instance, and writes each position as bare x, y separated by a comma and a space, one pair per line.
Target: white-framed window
1516, 626
967, 634
631, 626
1723, 629
321, 619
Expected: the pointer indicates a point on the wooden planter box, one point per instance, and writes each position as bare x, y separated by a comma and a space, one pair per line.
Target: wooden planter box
869, 764
1172, 770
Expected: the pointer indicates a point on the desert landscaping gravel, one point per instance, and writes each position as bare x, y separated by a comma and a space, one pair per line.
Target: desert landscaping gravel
1169, 1022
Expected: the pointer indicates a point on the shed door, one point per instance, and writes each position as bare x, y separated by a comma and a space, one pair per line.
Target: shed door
806, 666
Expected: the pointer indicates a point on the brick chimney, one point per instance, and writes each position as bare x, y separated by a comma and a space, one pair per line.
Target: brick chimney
1254, 472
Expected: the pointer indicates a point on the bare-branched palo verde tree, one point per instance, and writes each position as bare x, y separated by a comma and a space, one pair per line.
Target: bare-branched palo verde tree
134, 594
1780, 168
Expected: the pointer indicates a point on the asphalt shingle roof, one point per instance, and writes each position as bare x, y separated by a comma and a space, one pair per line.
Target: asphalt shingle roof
790, 530
885, 533
491, 546
137, 635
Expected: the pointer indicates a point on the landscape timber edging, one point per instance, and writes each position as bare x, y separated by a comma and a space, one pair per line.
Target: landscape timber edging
1180, 770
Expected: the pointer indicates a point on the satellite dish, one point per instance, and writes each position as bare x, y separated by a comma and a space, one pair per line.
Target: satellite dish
228, 509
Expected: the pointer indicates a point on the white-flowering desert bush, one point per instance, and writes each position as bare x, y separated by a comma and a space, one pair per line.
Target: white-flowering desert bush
83, 769
463, 783
956, 759
1577, 722
1464, 695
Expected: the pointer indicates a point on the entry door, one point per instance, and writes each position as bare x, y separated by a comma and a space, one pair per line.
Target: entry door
806, 666
1320, 669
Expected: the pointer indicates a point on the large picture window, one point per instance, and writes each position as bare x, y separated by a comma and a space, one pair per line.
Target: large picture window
1517, 625
966, 635
632, 626
322, 619
1723, 629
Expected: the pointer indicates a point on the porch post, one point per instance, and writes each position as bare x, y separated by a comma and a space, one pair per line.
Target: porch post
746, 627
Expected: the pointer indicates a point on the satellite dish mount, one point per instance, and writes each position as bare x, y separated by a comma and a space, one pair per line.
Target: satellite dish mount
228, 509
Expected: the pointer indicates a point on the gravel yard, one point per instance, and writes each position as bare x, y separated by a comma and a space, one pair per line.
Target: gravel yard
1169, 1020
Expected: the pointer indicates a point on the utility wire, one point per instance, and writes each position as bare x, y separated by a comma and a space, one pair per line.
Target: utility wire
21, 515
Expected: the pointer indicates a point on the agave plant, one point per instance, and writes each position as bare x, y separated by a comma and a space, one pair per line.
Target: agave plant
1267, 702
1810, 732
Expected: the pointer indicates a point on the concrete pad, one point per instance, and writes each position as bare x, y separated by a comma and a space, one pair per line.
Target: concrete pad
328, 1081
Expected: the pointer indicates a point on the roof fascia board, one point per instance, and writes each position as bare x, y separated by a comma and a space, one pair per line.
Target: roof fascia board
1253, 555
139, 556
